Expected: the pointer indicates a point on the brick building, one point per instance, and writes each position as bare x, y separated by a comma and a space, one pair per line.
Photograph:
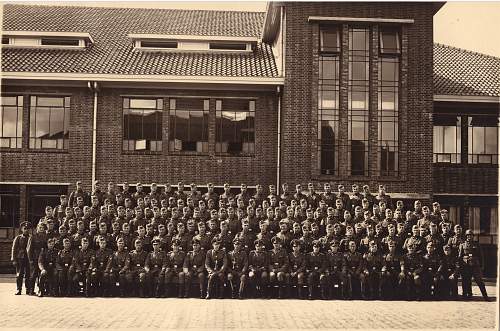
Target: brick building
321, 92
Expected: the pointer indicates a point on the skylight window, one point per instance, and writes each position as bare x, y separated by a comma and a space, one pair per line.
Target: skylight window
159, 44
228, 46
5, 40
60, 42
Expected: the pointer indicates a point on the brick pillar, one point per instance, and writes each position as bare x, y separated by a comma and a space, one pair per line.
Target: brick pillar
373, 162
344, 100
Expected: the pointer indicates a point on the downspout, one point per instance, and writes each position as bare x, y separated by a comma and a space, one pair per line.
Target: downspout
94, 87
278, 163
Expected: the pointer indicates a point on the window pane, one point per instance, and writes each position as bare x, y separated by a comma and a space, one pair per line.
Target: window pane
149, 124
450, 139
56, 123
389, 70
50, 102
182, 124
329, 40
389, 41
9, 100
491, 140
9, 122
358, 130
438, 139
359, 70
478, 140
135, 124
42, 122
143, 103
196, 126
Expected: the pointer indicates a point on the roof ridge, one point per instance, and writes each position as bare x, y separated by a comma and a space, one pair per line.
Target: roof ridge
132, 8
468, 51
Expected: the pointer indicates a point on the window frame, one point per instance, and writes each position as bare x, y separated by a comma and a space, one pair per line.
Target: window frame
474, 158
457, 158
66, 123
329, 28
204, 110
11, 191
19, 122
219, 110
160, 109
382, 49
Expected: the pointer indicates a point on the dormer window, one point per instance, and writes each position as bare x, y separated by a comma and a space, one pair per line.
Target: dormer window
192, 43
60, 42
45, 39
228, 46
158, 44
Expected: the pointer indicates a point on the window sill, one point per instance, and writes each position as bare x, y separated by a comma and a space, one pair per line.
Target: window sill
141, 152
187, 153
48, 150
242, 155
10, 150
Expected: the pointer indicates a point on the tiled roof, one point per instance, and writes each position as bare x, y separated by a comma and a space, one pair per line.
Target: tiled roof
465, 73
112, 51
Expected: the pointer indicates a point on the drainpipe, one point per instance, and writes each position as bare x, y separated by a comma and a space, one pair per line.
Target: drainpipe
95, 88
278, 164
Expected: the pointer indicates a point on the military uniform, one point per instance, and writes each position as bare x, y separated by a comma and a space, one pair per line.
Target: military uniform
216, 265
36, 243
258, 263
448, 275
352, 271
155, 266
430, 285
278, 267
469, 255
371, 282
64, 260
316, 272
237, 270
391, 267
175, 262
19, 257
99, 278
412, 267
80, 270
136, 275
194, 264
335, 265
47, 261
117, 269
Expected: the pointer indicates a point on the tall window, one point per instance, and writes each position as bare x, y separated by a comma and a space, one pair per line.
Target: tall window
49, 122
483, 220
189, 125
483, 139
328, 101
388, 103
447, 139
142, 124
235, 127
11, 122
358, 100
9, 206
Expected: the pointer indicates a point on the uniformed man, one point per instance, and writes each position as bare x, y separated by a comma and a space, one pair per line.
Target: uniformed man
36, 243
48, 273
117, 268
155, 266
448, 274
390, 271
316, 266
174, 272
136, 275
353, 268
237, 269
297, 263
79, 192
194, 267
470, 257
335, 263
278, 267
430, 272
216, 265
411, 272
64, 260
99, 279
372, 265
80, 268
258, 263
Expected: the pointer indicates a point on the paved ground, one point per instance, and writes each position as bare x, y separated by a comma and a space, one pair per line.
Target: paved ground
195, 314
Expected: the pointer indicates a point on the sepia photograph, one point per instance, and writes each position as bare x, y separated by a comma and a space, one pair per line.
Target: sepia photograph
249, 165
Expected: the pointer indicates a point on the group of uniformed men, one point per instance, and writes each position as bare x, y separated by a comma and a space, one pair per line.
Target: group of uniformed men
306, 245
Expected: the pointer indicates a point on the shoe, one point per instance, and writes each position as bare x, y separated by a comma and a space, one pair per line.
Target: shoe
208, 297
487, 298
18, 292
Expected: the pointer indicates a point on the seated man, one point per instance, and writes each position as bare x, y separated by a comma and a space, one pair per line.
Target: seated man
237, 269
156, 264
118, 266
316, 270
216, 265
175, 262
194, 266
136, 275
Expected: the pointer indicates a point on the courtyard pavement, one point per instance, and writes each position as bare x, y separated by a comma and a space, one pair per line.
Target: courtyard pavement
35, 313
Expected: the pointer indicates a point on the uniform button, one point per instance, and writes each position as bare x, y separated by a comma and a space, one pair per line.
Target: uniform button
138, 265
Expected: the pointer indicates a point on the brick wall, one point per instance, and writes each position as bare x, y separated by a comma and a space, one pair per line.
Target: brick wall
300, 95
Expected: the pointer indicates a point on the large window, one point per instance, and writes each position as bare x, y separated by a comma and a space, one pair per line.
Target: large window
328, 101
388, 103
11, 122
142, 124
49, 122
9, 206
235, 127
358, 100
483, 221
483, 139
39, 197
447, 139
189, 125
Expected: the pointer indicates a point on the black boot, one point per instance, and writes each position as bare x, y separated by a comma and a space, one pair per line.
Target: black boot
311, 297
324, 292
281, 292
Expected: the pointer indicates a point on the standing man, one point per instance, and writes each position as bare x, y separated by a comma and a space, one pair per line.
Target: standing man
19, 257
470, 257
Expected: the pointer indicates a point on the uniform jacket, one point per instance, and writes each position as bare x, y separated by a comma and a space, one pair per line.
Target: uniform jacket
238, 261
195, 261
19, 248
278, 260
47, 260
216, 260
